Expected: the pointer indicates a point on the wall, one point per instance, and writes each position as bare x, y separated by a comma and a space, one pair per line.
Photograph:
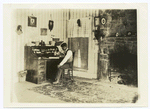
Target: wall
86, 17
120, 22
43, 16
117, 21
110, 47
119, 30
61, 19
20, 17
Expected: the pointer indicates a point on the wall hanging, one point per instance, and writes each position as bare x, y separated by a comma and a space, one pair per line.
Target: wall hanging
103, 21
79, 22
19, 30
32, 21
43, 31
50, 25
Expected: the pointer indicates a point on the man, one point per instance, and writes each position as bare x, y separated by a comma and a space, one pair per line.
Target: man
65, 63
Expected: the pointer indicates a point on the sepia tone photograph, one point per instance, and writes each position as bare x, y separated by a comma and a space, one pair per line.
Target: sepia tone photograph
75, 55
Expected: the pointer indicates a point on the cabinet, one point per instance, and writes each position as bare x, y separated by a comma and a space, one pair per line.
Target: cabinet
36, 69
37, 74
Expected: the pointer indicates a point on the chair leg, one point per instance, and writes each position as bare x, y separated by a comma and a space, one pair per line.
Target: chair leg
62, 76
69, 73
109, 74
72, 74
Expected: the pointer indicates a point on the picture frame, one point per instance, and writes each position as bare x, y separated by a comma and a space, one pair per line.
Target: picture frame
19, 30
103, 20
96, 21
32, 21
43, 31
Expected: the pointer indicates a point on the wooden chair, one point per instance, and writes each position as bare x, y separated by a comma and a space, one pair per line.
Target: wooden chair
69, 71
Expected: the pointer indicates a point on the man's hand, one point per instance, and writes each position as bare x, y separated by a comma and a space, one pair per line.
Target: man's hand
59, 66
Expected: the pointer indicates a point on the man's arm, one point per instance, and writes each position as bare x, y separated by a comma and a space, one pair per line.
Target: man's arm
68, 55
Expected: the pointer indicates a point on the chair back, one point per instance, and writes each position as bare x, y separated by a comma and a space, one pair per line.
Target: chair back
73, 55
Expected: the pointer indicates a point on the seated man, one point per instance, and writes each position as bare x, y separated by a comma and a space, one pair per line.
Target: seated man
65, 63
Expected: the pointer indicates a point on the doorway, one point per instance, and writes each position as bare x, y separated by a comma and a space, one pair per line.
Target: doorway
79, 45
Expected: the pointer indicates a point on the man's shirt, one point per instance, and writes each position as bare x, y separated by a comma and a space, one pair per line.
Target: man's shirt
67, 58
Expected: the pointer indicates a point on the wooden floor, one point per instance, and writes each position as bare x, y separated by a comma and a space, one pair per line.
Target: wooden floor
23, 95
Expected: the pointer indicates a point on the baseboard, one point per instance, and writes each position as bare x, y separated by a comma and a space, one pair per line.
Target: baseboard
84, 74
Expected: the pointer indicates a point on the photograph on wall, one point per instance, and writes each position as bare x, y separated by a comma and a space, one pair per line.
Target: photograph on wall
43, 31
19, 30
94, 58
32, 21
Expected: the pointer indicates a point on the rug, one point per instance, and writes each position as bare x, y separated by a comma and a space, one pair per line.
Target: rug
85, 92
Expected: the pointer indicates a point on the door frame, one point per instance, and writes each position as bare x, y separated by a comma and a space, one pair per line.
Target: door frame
93, 50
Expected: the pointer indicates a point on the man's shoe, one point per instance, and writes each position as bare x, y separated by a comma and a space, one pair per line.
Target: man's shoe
56, 82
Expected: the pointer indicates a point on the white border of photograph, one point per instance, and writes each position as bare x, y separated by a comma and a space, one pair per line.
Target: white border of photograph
142, 24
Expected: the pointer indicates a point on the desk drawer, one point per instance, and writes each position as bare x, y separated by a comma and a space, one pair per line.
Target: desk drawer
39, 79
41, 62
41, 72
41, 67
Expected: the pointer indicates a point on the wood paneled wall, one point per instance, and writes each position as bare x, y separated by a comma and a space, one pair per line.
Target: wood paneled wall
60, 18
20, 17
81, 13
86, 17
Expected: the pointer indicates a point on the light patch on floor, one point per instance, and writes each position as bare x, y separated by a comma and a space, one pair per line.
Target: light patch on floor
23, 95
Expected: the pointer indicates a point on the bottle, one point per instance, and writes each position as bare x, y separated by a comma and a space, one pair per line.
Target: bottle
55, 53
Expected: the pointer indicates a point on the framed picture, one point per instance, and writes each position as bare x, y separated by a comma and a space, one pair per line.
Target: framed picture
96, 21
43, 31
19, 30
103, 21
32, 21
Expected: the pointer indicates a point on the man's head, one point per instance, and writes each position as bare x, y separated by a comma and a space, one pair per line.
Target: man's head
64, 46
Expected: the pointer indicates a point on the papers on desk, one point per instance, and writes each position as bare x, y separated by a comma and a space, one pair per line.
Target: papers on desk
53, 57
48, 58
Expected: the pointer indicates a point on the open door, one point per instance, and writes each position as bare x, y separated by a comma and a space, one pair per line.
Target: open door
79, 45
